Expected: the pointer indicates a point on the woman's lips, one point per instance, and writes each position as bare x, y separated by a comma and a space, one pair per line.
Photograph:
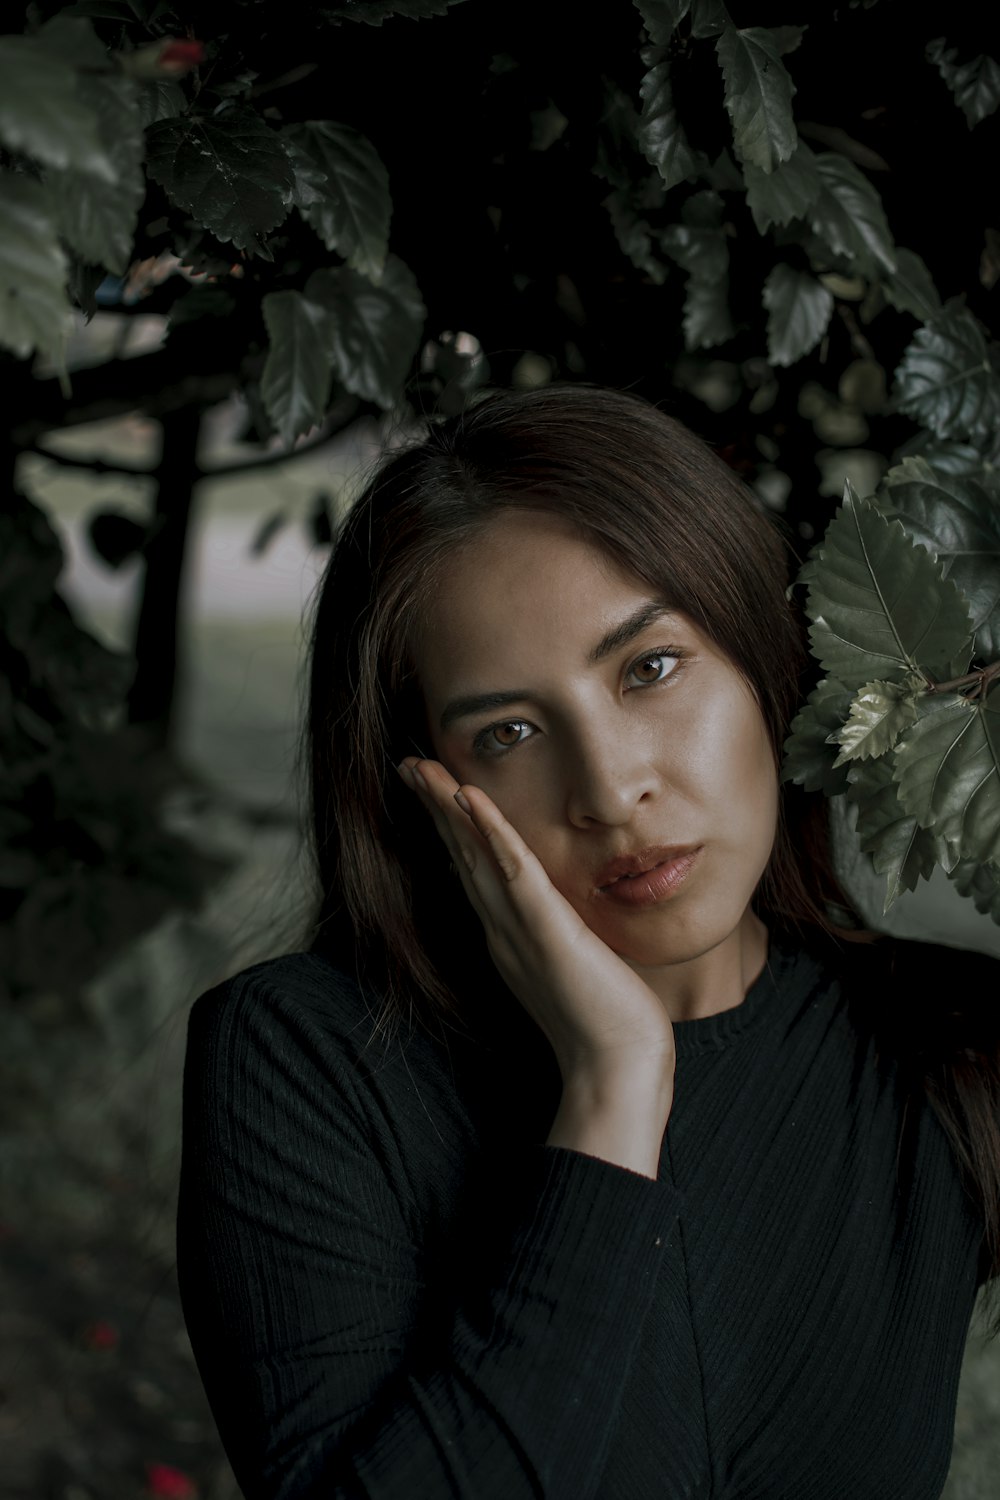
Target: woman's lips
657, 883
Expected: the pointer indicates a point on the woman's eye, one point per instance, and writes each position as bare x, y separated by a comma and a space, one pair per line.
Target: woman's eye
653, 667
501, 737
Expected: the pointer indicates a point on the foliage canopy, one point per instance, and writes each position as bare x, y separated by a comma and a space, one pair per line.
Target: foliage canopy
736, 215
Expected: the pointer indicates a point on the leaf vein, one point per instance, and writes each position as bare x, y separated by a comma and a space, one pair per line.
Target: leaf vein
878, 590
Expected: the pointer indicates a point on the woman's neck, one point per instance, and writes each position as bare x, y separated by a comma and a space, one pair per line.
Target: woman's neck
713, 981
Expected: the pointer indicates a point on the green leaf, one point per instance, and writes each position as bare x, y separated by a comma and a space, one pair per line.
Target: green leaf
230, 171
848, 215
661, 136
310, 183
975, 84
799, 311
948, 456
159, 100
948, 772
374, 12
981, 882
82, 283
758, 96
701, 250
785, 194
809, 756
151, 11
352, 213
910, 288
787, 38
661, 18
634, 236
722, 174
879, 714
618, 129
900, 849
34, 310
295, 382
707, 320
704, 210
374, 331
879, 604
98, 219
958, 520
41, 110
109, 10
948, 379
708, 18
699, 247
197, 306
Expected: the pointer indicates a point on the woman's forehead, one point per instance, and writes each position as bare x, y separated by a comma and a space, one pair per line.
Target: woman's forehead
528, 596
524, 562
523, 544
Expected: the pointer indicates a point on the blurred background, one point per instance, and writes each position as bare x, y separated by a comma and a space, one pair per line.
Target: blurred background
178, 455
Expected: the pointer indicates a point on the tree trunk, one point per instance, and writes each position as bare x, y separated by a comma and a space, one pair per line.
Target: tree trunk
152, 695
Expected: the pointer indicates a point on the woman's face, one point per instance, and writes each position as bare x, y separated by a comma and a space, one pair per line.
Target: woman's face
601, 724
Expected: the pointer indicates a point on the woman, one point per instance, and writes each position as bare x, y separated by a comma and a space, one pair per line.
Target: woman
584, 1154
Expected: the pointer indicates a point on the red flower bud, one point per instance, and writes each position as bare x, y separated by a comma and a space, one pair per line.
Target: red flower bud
100, 1335
170, 58
180, 57
174, 1484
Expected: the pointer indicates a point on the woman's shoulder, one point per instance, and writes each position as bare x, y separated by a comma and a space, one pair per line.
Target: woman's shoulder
307, 979
304, 1005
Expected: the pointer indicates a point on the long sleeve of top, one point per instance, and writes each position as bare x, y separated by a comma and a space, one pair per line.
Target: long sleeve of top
393, 1289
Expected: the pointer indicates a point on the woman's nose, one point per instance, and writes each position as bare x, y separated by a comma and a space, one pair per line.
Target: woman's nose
607, 777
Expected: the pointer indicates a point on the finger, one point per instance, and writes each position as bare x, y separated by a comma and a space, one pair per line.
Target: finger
524, 915
536, 905
508, 876
511, 854
429, 790
445, 796
491, 860
447, 820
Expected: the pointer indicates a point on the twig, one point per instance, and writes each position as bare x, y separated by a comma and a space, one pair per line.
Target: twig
92, 465
292, 76
242, 466
979, 680
279, 457
859, 343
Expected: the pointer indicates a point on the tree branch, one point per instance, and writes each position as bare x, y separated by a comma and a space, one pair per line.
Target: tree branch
339, 417
91, 465
979, 680
155, 382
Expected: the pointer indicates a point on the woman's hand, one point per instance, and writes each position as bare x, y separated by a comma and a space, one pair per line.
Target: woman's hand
609, 1031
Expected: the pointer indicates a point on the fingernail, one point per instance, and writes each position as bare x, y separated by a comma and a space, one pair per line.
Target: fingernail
421, 783
463, 802
406, 774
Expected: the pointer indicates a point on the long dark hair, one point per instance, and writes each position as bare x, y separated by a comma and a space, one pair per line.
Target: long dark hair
656, 500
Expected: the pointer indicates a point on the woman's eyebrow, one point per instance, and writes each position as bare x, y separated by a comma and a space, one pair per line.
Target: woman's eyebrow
620, 635
629, 628
460, 708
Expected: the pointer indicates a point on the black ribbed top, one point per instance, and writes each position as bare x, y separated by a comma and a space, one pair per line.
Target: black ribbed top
394, 1290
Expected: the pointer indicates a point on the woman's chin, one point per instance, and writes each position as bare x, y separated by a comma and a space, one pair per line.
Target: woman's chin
664, 949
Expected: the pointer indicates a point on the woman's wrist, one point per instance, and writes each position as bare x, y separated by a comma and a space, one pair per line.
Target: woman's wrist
618, 1117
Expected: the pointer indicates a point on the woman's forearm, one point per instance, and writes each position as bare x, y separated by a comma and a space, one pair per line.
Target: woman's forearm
620, 1119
